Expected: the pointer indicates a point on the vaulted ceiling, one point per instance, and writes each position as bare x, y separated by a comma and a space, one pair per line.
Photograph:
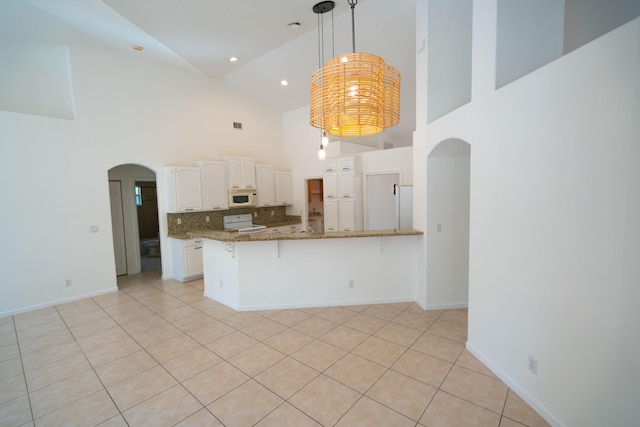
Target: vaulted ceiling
201, 35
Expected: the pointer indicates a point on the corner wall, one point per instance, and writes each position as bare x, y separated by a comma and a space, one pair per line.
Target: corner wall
553, 234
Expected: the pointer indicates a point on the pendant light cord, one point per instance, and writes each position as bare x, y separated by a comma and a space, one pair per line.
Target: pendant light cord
353, 4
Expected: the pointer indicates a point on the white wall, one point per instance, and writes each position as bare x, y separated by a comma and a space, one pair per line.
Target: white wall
54, 171
553, 233
449, 50
447, 232
36, 81
530, 34
586, 20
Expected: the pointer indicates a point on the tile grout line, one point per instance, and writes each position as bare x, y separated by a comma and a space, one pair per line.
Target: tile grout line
24, 372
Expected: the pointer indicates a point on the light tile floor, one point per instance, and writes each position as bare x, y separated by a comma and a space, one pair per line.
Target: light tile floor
158, 353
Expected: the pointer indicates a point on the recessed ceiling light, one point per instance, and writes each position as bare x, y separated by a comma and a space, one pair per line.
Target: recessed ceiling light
294, 25
233, 59
284, 82
137, 47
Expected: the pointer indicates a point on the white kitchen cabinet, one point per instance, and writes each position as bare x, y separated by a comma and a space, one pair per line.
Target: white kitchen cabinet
330, 185
183, 189
284, 188
342, 195
329, 165
241, 172
341, 215
331, 215
347, 214
284, 229
346, 163
346, 184
213, 176
186, 258
340, 164
265, 185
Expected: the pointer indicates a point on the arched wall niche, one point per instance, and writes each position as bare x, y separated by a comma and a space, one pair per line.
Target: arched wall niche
447, 230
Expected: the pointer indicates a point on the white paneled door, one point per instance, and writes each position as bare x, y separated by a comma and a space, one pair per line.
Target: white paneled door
117, 225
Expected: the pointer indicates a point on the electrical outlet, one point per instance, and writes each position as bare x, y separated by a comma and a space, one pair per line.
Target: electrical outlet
351, 283
94, 229
273, 213
438, 228
207, 219
67, 283
179, 221
221, 284
533, 365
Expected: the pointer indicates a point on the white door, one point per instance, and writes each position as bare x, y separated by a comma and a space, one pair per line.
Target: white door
381, 202
117, 226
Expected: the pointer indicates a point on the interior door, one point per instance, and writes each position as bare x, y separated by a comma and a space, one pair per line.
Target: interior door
381, 201
117, 225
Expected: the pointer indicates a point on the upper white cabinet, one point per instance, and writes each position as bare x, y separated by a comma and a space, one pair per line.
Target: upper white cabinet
329, 165
284, 188
183, 189
214, 184
340, 164
346, 164
265, 185
241, 172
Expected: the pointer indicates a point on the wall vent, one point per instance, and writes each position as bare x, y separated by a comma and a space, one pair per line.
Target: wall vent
237, 125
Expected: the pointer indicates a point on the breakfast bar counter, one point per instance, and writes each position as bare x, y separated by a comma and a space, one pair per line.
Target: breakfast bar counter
234, 236
287, 270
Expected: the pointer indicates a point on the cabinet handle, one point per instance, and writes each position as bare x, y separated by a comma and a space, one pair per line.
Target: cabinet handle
189, 209
198, 247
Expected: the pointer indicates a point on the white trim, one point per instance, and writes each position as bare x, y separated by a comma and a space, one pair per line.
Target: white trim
448, 306
298, 306
56, 302
513, 385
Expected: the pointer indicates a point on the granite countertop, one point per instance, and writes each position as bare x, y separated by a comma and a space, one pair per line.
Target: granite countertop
188, 234
234, 236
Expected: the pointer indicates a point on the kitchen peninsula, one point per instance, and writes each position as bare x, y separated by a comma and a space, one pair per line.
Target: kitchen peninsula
271, 271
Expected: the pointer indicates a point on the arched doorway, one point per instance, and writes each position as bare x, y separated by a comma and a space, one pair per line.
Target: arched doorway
448, 195
134, 216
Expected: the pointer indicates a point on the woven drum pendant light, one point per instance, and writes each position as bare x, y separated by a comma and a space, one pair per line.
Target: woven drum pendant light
355, 94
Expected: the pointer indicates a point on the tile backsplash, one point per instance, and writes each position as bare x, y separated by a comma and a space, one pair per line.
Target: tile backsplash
198, 220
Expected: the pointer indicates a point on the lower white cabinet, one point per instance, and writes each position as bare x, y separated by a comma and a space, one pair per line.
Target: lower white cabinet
341, 215
186, 261
330, 215
294, 228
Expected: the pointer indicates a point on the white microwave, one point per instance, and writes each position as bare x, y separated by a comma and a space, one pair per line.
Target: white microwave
242, 197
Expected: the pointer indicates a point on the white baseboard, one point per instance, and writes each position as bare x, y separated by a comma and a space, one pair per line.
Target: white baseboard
513, 385
448, 306
56, 302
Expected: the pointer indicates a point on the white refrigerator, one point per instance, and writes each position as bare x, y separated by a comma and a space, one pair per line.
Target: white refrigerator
388, 205
404, 205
